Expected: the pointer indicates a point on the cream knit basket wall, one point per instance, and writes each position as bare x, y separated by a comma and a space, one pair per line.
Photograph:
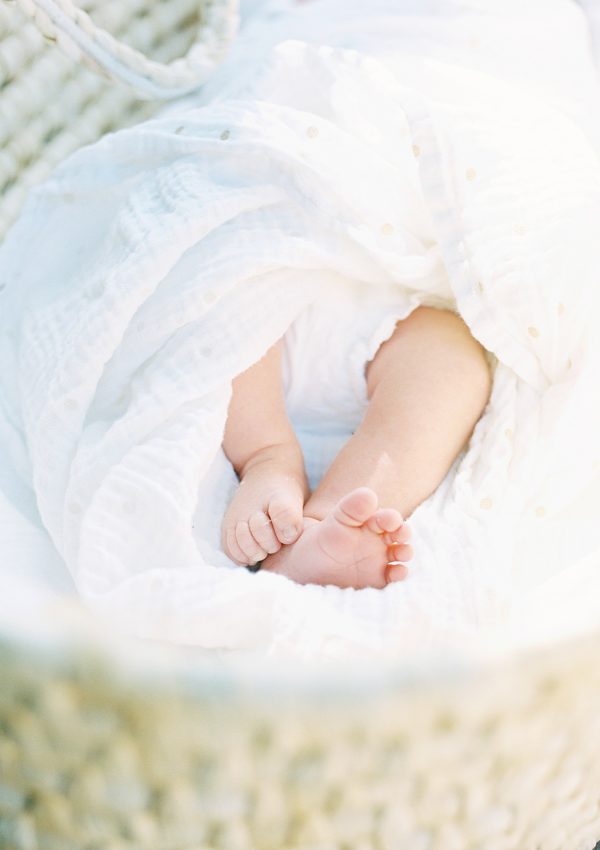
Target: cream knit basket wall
176, 757
50, 105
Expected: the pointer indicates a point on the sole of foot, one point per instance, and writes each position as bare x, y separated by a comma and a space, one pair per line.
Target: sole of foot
358, 544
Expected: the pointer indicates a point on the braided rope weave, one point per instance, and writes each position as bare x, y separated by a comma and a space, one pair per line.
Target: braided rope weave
98, 759
51, 105
74, 31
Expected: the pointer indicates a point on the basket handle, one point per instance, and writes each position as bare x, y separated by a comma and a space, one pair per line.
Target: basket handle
75, 32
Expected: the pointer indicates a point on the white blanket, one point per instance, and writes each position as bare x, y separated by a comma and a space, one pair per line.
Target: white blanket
155, 265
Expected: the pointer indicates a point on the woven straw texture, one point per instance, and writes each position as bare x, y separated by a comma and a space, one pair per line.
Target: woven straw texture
501, 761
505, 761
51, 105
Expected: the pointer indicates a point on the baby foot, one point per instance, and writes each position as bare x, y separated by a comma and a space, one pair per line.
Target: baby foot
266, 510
351, 547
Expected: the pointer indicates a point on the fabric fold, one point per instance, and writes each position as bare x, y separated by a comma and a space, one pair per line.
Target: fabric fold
155, 265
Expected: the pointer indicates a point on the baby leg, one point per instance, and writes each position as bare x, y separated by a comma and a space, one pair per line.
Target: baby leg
260, 442
427, 387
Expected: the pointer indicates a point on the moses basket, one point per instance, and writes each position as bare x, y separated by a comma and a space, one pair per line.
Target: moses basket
111, 745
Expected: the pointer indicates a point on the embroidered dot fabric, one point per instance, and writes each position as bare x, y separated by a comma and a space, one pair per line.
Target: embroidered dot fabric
388, 152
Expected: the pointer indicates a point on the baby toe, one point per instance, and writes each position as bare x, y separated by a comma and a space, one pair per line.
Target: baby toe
387, 520
286, 516
356, 507
251, 549
398, 535
396, 572
401, 552
262, 531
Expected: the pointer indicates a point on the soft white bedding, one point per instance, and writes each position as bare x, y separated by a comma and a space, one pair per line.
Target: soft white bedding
158, 263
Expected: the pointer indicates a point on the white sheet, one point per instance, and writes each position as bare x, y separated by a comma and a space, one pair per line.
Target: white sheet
155, 265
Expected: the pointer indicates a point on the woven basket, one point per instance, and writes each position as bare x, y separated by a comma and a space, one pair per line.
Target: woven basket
185, 755
97, 754
51, 105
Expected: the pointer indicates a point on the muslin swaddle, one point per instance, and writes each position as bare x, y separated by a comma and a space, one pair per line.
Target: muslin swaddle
155, 265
